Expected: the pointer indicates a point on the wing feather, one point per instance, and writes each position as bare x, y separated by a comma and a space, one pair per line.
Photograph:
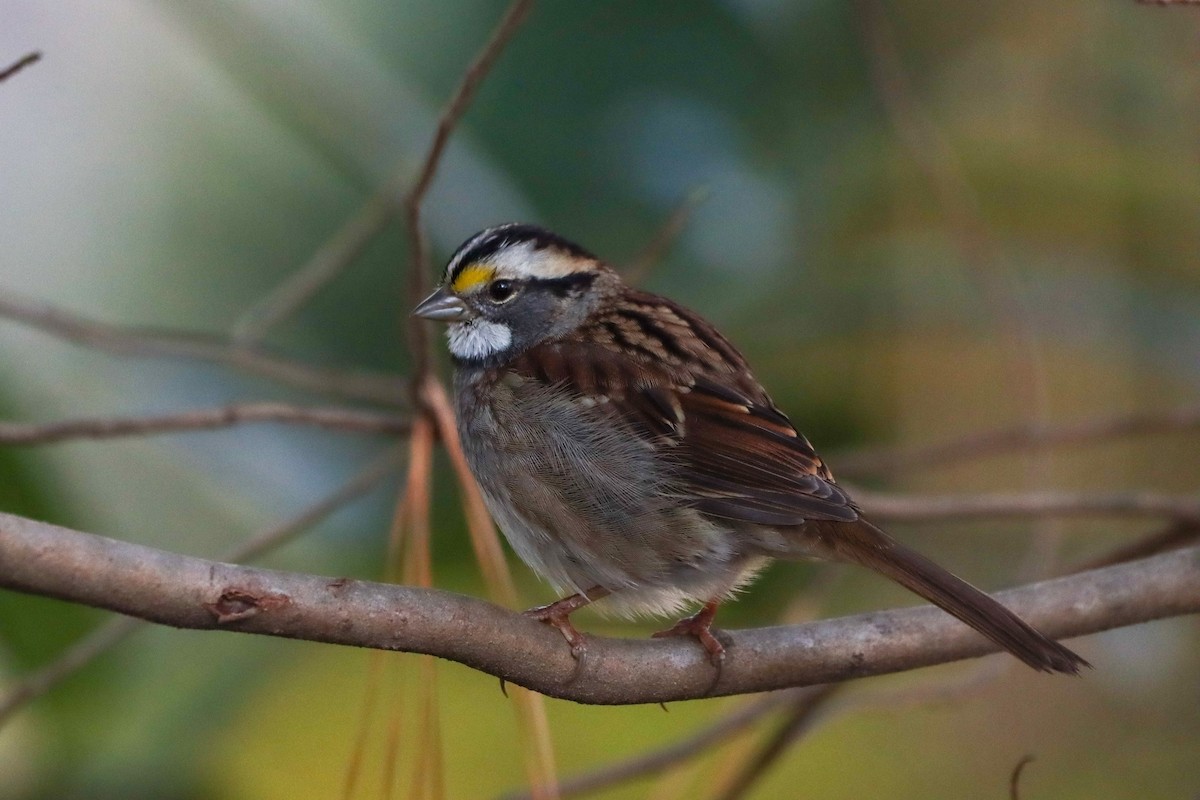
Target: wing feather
737, 455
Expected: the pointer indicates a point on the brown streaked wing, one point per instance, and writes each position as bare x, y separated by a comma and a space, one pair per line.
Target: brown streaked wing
738, 456
745, 461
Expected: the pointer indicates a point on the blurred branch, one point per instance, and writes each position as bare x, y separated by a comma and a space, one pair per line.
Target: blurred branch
89, 647
1173, 537
189, 592
1014, 779
801, 711
933, 154
343, 419
999, 281
116, 630
151, 343
657, 761
933, 508
341, 250
1018, 438
460, 100
664, 237
20, 64
356, 233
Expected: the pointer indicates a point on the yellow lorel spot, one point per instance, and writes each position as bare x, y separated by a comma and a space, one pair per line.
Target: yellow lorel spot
471, 276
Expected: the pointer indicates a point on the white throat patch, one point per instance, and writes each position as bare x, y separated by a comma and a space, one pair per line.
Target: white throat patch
478, 338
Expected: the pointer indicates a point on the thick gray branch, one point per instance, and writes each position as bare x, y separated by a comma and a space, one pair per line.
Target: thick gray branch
190, 592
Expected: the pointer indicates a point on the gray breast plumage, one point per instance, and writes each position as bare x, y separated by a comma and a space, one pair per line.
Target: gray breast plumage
584, 502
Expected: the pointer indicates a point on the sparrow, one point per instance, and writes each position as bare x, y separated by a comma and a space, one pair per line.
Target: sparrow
628, 453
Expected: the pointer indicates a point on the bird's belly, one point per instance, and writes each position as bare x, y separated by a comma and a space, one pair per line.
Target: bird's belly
586, 504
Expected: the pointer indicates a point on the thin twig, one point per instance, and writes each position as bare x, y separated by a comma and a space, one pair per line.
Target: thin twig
1173, 537
154, 343
342, 419
431, 396
341, 250
931, 151
718, 733
114, 631
654, 762
999, 282
664, 237
20, 64
460, 100
359, 484
1019, 438
1014, 779
188, 592
79, 654
798, 721
935, 508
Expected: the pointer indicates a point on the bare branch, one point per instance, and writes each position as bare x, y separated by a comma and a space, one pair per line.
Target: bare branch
114, 631
277, 535
190, 592
152, 343
801, 711
91, 646
1003, 441
657, 761
1173, 537
1014, 779
664, 237
341, 250
933, 508
20, 64
460, 100
343, 419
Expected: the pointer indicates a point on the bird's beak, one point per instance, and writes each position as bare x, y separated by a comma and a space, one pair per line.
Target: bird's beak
443, 306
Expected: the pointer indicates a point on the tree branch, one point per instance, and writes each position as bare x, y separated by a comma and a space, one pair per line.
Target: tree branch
460, 101
939, 508
1018, 439
190, 592
664, 237
20, 64
655, 761
333, 257
151, 343
116, 629
344, 419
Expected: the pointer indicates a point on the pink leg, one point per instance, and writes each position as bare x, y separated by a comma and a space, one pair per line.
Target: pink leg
558, 615
700, 626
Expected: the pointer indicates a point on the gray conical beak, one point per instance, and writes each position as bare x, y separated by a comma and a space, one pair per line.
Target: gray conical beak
443, 306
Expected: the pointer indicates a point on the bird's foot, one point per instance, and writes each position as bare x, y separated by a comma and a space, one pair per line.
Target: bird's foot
699, 625
558, 615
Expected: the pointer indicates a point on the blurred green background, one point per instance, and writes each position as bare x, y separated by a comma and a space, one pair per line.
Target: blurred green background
920, 220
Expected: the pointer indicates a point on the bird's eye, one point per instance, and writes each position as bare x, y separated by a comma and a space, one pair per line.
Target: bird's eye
501, 291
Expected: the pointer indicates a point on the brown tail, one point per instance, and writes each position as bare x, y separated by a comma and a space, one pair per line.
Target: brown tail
864, 544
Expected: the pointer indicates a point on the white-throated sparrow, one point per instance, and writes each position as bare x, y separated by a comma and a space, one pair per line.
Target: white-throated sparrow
625, 449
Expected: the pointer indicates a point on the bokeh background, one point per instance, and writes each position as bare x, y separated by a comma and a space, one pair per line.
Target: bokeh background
919, 220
